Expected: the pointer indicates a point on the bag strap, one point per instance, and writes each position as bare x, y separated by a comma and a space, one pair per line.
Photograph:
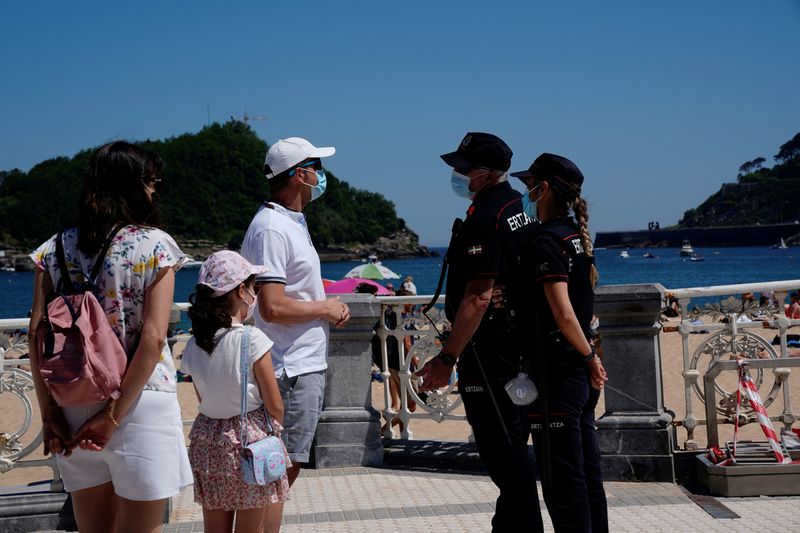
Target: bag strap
102, 257
244, 367
62, 265
61, 287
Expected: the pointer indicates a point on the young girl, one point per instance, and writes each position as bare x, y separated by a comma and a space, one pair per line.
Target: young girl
225, 298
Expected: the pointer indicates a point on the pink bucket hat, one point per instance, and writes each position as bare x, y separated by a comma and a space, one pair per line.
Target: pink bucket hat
224, 271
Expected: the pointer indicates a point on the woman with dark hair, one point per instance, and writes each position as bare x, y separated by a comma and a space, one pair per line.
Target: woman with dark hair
561, 277
120, 459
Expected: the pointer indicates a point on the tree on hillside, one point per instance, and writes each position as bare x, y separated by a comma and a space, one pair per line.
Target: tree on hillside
751, 166
761, 195
789, 150
213, 184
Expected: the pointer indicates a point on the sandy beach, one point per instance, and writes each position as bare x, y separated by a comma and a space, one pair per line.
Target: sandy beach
12, 412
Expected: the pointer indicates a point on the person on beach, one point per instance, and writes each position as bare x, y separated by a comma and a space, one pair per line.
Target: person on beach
408, 285
292, 308
793, 309
558, 268
121, 459
393, 359
225, 298
484, 251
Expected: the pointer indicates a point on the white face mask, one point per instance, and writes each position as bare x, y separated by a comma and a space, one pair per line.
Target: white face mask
252, 305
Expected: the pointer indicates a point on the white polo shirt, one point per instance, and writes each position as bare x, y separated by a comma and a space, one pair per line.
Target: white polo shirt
278, 238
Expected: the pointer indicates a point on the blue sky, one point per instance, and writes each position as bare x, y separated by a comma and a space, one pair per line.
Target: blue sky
658, 103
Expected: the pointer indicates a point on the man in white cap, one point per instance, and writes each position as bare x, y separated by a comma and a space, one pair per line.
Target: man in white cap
292, 308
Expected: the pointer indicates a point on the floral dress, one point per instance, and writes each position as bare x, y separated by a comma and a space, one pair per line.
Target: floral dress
131, 265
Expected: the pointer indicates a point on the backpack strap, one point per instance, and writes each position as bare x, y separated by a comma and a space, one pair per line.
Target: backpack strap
64, 285
61, 286
102, 257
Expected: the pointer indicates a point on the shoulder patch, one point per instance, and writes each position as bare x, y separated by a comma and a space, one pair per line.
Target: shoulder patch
475, 250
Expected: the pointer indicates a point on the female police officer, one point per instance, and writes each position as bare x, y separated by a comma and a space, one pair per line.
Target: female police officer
560, 268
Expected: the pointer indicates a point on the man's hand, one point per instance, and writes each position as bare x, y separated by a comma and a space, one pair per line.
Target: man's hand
434, 374
597, 374
336, 312
499, 297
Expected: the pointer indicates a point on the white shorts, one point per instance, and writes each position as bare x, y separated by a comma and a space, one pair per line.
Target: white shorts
146, 457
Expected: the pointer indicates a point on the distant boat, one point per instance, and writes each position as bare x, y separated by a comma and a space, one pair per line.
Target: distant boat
624, 254
648, 255
696, 258
686, 249
7, 268
781, 246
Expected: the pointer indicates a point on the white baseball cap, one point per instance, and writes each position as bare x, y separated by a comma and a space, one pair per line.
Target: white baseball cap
286, 153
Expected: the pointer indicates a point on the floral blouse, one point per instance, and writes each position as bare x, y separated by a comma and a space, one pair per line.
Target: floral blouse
133, 260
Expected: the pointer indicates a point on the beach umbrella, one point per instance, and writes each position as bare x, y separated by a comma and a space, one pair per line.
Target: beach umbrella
371, 271
348, 286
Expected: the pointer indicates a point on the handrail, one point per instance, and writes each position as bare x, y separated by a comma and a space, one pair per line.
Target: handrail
718, 290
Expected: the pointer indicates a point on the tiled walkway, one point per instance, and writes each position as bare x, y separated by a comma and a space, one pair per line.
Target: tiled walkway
380, 499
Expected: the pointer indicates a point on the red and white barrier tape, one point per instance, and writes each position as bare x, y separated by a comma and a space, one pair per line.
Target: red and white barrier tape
746, 382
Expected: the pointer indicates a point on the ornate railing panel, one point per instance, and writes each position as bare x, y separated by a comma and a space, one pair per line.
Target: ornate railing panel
424, 331
734, 326
16, 382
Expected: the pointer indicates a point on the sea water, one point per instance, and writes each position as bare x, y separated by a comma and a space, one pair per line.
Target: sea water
721, 266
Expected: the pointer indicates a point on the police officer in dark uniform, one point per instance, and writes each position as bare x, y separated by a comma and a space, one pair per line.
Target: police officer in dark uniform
559, 266
483, 252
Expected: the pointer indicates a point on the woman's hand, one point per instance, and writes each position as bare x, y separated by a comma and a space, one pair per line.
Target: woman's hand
597, 374
95, 433
55, 432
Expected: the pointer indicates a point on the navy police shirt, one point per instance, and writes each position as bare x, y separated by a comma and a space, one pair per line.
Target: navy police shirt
489, 245
556, 254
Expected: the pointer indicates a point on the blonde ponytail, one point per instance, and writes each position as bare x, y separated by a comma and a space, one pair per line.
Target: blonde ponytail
582, 216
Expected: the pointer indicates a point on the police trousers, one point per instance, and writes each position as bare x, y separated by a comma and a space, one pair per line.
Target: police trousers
511, 467
575, 498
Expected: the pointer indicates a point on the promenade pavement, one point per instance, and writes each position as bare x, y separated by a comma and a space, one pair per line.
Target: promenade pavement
394, 500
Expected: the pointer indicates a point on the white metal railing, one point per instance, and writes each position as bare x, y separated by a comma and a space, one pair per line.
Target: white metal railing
726, 340
424, 335
733, 333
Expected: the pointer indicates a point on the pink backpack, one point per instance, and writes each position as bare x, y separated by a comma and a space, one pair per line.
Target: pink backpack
81, 359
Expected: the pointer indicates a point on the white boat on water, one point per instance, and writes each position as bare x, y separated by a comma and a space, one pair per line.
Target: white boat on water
686, 249
624, 254
7, 268
781, 246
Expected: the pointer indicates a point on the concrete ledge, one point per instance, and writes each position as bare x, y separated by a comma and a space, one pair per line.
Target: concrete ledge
749, 480
432, 454
39, 511
658, 468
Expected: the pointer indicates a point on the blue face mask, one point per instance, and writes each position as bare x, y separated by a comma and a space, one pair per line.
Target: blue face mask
460, 185
528, 205
322, 184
